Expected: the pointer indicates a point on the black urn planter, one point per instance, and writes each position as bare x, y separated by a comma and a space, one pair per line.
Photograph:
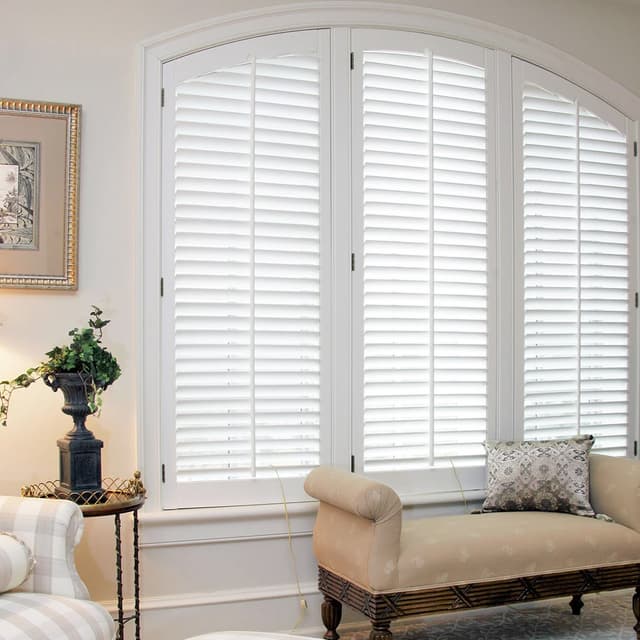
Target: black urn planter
80, 450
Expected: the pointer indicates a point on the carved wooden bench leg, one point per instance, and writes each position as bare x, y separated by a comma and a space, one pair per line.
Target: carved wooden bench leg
576, 604
380, 630
636, 611
331, 611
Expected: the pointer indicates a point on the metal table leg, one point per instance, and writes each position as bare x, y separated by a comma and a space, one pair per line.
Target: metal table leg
120, 635
136, 574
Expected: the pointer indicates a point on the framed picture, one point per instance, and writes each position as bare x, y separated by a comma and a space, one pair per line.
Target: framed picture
38, 194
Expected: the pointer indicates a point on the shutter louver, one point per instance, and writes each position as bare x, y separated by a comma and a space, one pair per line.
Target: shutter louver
247, 274
425, 261
576, 320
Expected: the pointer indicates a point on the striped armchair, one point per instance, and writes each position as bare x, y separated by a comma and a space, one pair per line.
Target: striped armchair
52, 602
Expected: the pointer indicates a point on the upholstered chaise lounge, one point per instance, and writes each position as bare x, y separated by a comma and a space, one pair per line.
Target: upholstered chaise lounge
384, 567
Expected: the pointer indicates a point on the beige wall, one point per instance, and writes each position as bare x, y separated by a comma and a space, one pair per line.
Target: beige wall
87, 53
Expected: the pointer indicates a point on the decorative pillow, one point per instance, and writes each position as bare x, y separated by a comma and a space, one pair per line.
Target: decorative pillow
16, 562
539, 475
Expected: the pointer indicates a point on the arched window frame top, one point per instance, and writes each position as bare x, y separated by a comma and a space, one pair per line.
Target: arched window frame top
337, 13
341, 16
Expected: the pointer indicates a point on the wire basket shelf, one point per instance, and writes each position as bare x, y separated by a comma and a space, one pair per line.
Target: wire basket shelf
116, 495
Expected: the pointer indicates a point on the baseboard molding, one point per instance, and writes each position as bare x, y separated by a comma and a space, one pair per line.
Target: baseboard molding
230, 596
270, 609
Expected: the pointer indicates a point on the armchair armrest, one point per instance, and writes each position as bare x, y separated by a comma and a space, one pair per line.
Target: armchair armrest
51, 529
357, 530
614, 488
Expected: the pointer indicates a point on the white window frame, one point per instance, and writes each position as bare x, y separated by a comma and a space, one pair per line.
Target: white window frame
441, 480
250, 491
523, 71
152, 55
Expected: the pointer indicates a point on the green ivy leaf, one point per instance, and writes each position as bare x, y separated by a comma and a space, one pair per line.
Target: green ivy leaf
84, 355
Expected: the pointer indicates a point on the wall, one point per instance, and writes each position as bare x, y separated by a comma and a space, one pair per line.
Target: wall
88, 53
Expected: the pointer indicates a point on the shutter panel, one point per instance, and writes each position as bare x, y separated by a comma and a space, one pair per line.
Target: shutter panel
604, 283
425, 261
247, 270
576, 322
287, 266
460, 262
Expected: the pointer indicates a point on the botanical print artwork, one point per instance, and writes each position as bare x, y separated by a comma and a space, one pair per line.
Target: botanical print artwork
19, 178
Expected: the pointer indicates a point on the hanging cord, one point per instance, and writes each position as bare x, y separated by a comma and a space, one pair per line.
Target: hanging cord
301, 600
457, 477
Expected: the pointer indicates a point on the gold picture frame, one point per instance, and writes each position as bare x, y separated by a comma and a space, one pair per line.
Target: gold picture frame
39, 147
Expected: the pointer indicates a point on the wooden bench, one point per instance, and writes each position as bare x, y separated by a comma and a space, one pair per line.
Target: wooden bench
387, 568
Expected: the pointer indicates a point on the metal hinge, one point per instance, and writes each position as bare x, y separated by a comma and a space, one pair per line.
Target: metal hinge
353, 464
353, 262
635, 447
352, 61
635, 149
163, 476
162, 97
161, 287
636, 299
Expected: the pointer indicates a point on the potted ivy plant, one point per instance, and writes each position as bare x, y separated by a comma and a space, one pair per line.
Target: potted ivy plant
82, 370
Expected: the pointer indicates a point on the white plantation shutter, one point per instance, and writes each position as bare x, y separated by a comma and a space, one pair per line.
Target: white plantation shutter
424, 253
493, 262
247, 270
576, 271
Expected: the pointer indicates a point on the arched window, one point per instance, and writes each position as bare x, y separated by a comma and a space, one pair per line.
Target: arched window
246, 149
341, 210
421, 226
576, 243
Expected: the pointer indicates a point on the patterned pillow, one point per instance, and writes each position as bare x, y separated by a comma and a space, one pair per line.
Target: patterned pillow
539, 475
16, 562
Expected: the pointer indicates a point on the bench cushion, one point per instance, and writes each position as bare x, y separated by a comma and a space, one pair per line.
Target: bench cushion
460, 549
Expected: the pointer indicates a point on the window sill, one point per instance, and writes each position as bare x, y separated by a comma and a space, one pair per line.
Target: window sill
174, 527
178, 527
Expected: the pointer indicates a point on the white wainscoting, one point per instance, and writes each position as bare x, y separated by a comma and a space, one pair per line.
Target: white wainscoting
178, 616
217, 572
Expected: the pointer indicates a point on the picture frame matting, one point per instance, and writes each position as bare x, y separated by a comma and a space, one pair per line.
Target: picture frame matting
39, 164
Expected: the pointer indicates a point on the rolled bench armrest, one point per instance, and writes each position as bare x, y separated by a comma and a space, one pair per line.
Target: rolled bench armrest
357, 529
353, 493
614, 488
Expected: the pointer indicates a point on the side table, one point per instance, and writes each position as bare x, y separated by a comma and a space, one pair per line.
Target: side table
115, 498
